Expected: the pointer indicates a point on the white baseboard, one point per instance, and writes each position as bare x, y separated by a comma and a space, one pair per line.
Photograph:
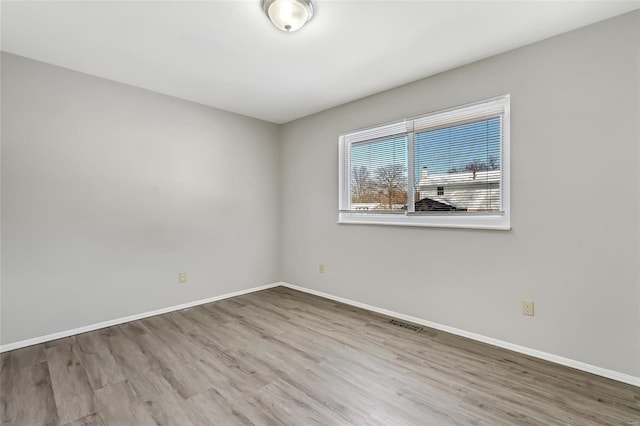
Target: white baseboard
610, 374
104, 324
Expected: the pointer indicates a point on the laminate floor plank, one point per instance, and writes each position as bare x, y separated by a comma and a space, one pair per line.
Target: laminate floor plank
187, 375
170, 409
202, 317
64, 341
242, 406
150, 385
73, 394
180, 322
91, 420
247, 371
131, 329
26, 395
212, 408
240, 367
118, 405
282, 357
98, 362
338, 394
211, 310
129, 355
25, 357
224, 311
396, 392
290, 405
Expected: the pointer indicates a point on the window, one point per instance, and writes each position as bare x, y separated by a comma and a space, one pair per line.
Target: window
446, 169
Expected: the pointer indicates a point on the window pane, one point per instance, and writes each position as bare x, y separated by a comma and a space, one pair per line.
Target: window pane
458, 168
378, 175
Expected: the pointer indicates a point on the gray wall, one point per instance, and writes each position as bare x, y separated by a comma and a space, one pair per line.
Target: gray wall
108, 191
575, 204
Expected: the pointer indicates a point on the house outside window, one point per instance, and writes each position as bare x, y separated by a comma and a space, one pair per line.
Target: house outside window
446, 169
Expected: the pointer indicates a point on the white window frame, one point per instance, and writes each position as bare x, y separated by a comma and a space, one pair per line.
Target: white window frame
490, 107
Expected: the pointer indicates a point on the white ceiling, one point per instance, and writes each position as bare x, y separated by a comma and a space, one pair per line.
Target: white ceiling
226, 54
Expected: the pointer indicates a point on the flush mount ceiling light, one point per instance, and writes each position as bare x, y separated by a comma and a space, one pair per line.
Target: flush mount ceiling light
288, 15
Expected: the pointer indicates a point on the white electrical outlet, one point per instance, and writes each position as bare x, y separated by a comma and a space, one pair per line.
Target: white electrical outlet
182, 277
527, 307
321, 268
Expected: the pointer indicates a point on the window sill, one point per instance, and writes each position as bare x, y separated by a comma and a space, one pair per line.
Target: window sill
493, 222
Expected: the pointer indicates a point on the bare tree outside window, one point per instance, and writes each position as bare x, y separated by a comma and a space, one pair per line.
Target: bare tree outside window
493, 163
362, 186
391, 181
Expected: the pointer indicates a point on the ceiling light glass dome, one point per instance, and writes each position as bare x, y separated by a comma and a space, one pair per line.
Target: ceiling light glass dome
288, 15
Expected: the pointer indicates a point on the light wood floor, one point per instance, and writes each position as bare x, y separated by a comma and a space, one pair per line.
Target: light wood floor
284, 357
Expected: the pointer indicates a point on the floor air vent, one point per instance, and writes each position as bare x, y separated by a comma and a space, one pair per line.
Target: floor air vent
406, 325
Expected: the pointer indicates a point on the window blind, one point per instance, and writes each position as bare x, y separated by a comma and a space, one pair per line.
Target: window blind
458, 167
378, 132
483, 110
378, 175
